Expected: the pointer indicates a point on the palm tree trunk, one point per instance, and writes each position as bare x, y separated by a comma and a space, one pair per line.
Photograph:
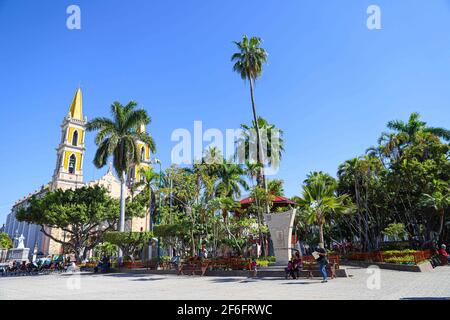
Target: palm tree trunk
321, 240
259, 153
150, 227
441, 226
122, 212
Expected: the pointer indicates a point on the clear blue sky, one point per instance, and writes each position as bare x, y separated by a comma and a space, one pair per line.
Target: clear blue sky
331, 84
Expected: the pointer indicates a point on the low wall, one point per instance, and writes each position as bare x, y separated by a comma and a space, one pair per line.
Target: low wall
421, 267
262, 273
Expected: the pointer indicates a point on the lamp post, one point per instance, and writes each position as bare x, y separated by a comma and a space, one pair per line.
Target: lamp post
159, 203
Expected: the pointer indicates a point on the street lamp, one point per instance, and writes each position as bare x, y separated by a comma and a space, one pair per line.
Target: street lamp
157, 161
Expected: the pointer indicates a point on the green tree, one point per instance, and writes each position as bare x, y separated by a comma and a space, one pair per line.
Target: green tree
275, 187
83, 215
319, 199
248, 63
150, 183
395, 183
414, 125
118, 137
230, 181
439, 201
131, 243
272, 146
395, 231
5, 241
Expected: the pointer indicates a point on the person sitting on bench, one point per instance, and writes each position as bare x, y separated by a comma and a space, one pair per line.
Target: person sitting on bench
298, 264
443, 252
290, 270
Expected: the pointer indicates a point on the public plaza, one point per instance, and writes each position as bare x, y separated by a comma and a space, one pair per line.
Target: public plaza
394, 285
281, 151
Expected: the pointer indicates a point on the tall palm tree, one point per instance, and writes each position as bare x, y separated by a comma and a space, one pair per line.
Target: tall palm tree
249, 61
319, 199
118, 137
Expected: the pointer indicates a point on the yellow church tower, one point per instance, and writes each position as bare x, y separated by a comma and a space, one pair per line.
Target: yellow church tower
134, 174
70, 152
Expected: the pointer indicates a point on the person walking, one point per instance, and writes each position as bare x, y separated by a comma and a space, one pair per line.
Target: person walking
254, 268
323, 263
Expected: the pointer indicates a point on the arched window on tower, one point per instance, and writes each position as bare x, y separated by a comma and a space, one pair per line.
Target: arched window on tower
143, 154
75, 138
72, 163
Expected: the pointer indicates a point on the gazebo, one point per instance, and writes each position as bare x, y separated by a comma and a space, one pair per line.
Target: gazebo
277, 202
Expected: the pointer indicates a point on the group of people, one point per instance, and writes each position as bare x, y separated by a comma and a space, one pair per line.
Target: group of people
24, 267
103, 265
295, 264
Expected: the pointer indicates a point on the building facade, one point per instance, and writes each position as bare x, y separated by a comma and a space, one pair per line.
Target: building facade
68, 174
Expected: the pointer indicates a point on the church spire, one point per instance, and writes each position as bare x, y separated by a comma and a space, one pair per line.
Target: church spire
76, 107
70, 152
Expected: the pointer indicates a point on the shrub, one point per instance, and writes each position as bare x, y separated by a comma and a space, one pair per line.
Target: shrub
401, 260
262, 263
164, 258
399, 251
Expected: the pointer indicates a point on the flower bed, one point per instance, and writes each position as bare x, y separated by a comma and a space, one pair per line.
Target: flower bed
410, 257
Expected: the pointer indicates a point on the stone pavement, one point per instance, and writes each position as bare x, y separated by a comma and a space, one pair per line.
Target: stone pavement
394, 285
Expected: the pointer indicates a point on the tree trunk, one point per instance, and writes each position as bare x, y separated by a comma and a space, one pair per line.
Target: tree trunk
441, 225
321, 239
122, 213
150, 227
259, 149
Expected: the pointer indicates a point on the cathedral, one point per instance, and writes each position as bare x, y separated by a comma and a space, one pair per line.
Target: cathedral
68, 174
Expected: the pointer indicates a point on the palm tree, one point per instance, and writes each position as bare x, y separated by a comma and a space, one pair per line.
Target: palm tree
252, 169
319, 199
249, 63
150, 182
318, 176
439, 201
230, 180
276, 187
118, 137
274, 147
414, 126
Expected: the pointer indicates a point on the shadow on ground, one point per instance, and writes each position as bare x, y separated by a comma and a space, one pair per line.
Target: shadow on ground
425, 298
250, 280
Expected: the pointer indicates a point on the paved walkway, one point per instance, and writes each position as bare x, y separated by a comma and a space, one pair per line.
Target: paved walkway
393, 285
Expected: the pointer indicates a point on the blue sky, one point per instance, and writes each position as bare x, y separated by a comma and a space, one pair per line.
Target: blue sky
331, 84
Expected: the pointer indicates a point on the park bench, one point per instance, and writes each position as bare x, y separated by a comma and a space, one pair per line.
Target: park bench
192, 267
444, 260
311, 266
220, 264
134, 265
240, 263
230, 263
165, 265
